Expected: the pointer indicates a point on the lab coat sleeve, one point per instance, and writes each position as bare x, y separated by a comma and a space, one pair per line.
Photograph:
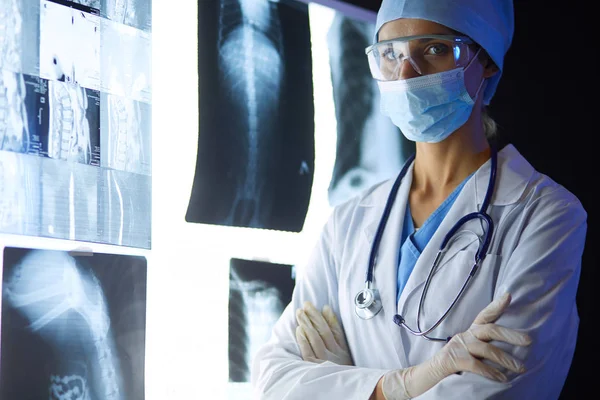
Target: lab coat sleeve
542, 274
278, 371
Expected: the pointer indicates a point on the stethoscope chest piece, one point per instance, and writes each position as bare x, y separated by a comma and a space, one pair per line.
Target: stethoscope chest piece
368, 303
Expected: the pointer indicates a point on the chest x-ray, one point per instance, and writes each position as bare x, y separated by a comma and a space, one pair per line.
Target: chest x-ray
370, 148
73, 326
258, 293
256, 141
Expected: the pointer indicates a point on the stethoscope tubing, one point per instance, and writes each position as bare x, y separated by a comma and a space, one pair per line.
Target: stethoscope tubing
479, 256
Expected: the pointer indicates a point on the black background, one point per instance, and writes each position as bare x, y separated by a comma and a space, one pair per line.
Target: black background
544, 109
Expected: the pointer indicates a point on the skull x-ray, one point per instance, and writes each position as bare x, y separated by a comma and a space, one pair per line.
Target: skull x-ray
259, 291
73, 326
256, 142
370, 148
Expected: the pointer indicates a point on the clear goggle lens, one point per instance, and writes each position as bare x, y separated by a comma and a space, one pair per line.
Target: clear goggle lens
426, 54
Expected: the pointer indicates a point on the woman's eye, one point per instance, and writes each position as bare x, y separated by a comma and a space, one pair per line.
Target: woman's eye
389, 54
437, 50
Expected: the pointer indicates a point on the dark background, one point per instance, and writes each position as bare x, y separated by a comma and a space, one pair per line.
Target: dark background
542, 107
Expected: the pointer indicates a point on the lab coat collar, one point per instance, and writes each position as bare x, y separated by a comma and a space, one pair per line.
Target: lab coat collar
512, 177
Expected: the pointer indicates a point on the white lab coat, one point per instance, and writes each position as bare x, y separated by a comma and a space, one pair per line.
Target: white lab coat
535, 254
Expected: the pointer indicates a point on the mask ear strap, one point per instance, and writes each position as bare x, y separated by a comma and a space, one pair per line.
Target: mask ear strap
482, 80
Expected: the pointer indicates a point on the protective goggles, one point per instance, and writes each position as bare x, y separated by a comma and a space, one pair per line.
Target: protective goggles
427, 54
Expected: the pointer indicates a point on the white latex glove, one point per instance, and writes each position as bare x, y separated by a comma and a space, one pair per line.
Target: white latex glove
320, 336
462, 353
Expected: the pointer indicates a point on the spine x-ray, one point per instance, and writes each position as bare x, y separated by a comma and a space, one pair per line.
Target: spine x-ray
49, 118
256, 141
259, 291
370, 148
73, 326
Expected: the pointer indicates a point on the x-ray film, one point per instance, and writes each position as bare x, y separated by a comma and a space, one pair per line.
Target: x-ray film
126, 61
50, 198
88, 6
124, 208
370, 148
20, 36
73, 326
256, 142
135, 13
127, 133
73, 124
69, 45
20, 211
19, 107
69, 201
48, 118
258, 293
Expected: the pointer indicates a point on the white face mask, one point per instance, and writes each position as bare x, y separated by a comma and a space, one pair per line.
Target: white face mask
429, 108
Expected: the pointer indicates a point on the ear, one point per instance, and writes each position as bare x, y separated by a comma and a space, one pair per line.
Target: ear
489, 68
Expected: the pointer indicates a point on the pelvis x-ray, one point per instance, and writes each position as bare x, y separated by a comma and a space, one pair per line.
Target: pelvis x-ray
256, 141
73, 326
370, 148
259, 291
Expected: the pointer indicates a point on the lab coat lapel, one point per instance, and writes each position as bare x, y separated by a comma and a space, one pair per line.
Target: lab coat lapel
386, 264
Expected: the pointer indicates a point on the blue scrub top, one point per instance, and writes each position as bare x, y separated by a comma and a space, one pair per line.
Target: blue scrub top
413, 242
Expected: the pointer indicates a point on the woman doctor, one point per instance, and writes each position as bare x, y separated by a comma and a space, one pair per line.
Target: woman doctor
472, 257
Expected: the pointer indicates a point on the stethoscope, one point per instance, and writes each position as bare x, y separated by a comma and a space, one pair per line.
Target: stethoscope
368, 301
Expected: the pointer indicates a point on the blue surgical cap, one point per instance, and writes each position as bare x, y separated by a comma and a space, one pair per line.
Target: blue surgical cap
490, 23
